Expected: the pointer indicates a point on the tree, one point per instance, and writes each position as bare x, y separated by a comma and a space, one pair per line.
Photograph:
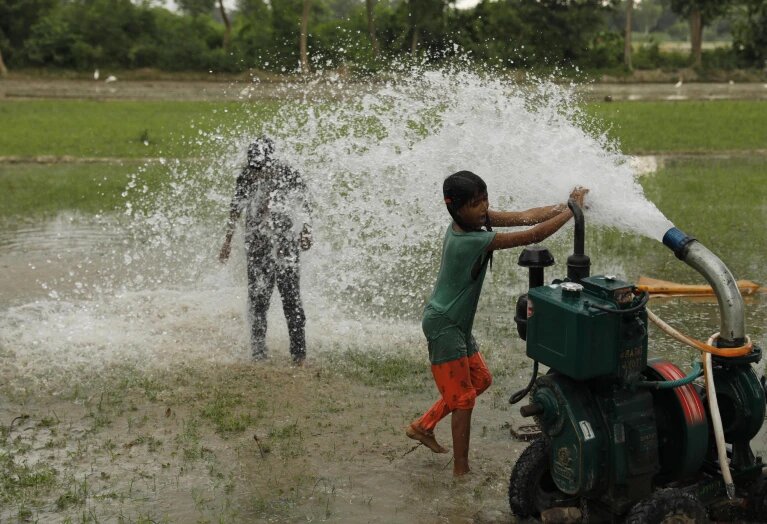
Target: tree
17, 17
196, 7
627, 35
372, 27
227, 24
426, 16
699, 13
750, 33
304, 36
3, 69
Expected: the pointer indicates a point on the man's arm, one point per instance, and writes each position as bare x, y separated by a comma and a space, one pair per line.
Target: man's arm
299, 186
234, 215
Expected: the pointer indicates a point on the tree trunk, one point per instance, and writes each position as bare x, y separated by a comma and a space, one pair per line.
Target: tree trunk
3, 69
696, 37
372, 27
304, 36
227, 25
414, 40
627, 36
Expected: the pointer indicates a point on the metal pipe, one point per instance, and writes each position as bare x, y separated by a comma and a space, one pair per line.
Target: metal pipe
580, 228
578, 264
732, 332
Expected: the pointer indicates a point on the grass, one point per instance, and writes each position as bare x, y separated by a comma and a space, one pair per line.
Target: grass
222, 411
730, 194
35, 190
684, 126
386, 371
151, 129
116, 129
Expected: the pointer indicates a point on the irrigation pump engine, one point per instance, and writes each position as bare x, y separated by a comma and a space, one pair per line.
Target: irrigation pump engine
624, 438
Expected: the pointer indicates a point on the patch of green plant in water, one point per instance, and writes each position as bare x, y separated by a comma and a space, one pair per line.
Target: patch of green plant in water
222, 410
21, 483
400, 373
75, 495
288, 440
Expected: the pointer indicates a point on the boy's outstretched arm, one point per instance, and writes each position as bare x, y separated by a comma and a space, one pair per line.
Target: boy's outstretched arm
530, 236
534, 215
529, 217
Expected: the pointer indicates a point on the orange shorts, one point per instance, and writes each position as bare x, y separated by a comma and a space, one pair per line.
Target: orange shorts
458, 380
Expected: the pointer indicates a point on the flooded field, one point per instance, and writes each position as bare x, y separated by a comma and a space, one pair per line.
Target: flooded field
264, 90
126, 389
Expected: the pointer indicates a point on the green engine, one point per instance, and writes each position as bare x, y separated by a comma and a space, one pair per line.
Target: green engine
574, 329
615, 426
602, 432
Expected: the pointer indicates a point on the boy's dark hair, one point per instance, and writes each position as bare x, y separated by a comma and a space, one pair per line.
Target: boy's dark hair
459, 189
260, 152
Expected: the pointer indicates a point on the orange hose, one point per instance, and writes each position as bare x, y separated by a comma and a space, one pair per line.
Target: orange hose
702, 346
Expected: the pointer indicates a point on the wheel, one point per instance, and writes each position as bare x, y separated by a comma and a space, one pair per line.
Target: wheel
670, 506
531, 488
757, 501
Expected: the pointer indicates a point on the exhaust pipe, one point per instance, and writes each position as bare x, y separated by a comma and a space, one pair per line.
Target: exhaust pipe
732, 331
578, 264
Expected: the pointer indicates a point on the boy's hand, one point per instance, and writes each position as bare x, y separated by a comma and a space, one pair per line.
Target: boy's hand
578, 194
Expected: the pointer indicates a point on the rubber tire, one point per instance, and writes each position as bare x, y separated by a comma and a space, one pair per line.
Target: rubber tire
757, 501
669, 505
531, 488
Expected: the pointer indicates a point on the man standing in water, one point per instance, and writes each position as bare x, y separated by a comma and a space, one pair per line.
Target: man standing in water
277, 217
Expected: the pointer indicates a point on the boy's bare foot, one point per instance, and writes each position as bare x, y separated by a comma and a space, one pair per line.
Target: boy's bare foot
424, 437
459, 470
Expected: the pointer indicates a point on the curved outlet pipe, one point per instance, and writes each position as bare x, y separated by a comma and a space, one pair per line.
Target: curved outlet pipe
732, 332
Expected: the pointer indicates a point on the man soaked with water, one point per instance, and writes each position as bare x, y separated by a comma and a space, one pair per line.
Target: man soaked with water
277, 228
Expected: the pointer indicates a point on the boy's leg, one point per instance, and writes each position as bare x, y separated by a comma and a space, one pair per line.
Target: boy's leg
460, 424
260, 286
481, 379
424, 437
436, 412
454, 383
288, 283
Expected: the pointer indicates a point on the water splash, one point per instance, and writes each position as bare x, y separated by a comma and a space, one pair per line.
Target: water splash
374, 155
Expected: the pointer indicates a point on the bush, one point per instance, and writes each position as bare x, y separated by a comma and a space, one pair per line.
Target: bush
605, 51
650, 57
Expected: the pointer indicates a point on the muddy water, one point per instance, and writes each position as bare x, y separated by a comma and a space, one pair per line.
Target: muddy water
347, 463
195, 90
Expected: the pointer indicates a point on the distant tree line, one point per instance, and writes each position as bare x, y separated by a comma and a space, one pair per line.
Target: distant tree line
299, 35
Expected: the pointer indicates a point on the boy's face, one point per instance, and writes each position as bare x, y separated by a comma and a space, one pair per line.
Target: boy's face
474, 213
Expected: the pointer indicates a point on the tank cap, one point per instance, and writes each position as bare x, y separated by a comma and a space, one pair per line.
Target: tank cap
571, 288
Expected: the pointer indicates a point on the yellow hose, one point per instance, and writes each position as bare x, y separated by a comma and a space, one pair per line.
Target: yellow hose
697, 344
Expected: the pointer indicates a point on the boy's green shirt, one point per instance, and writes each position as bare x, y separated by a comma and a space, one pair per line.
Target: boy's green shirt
453, 302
